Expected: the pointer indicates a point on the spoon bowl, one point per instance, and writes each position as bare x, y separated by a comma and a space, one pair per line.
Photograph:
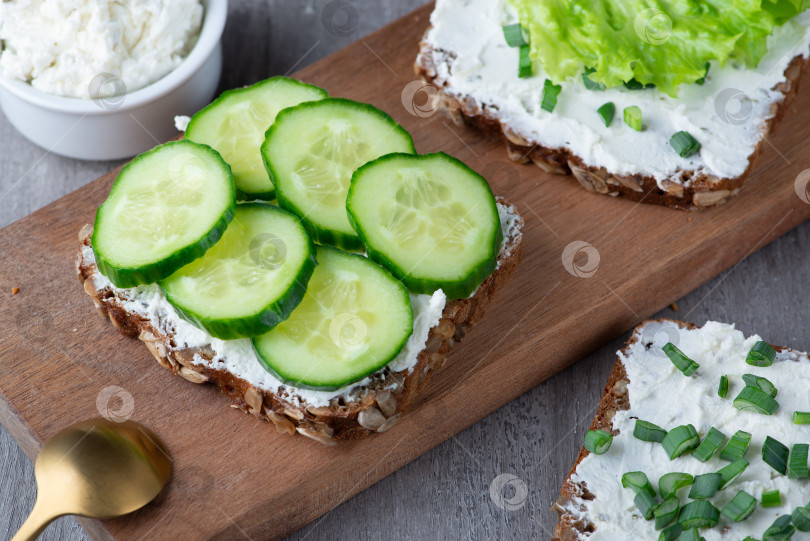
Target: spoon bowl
96, 468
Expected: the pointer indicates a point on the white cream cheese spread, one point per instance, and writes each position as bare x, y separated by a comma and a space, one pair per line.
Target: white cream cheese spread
727, 114
238, 356
181, 122
95, 48
661, 394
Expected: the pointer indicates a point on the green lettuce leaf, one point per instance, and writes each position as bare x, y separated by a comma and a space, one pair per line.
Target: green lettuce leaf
665, 42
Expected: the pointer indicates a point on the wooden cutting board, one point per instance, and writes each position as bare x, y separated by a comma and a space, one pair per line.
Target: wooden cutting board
234, 475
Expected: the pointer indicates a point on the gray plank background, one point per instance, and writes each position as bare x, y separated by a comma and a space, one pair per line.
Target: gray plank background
447, 492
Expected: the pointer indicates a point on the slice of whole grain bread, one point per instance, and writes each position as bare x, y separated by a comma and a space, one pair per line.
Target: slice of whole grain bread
374, 407
572, 526
695, 190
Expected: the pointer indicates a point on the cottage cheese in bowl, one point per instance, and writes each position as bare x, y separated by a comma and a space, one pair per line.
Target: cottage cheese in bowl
95, 48
158, 58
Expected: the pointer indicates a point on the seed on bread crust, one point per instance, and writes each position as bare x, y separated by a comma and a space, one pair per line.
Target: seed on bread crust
371, 418
628, 182
317, 436
589, 179
711, 199
191, 375
320, 411
85, 231
516, 155
389, 424
282, 423
673, 188
515, 138
294, 414
254, 399
387, 403
549, 167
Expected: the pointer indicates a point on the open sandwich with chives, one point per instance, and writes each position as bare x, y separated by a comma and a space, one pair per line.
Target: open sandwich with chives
667, 457
662, 102
296, 251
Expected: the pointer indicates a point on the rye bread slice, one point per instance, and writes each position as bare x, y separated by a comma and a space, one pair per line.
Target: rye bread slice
570, 525
375, 407
695, 191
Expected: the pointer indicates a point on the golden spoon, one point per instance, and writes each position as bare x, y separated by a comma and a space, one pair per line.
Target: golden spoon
96, 468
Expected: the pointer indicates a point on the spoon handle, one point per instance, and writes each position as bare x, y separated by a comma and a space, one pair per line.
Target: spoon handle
40, 517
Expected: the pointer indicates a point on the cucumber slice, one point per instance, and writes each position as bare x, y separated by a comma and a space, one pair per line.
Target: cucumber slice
355, 318
234, 125
430, 220
251, 280
310, 153
167, 207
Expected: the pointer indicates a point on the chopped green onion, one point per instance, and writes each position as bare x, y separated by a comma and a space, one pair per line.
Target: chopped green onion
722, 390
771, 498
761, 383
666, 512
755, 400
646, 504
681, 439
781, 534
607, 111
699, 514
671, 533
780, 529
589, 83
775, 454
731, 471
692, 534
681, 361
550, 93
647, 431
797, 465
637, 481
735, 449
801, 418
514, 35
711, 443
598, 441
740, 506
801, 519
669, 483
762, 354
703, 79
632, 117
705, 486
525, 62
684, 144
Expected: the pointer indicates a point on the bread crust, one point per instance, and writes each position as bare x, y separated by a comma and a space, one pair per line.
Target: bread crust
375, 407
702, 191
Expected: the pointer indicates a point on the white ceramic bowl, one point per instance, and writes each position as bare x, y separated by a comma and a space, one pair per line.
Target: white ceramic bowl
121, 126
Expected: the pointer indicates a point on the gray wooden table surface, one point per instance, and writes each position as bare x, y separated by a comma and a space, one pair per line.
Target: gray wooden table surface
528, 444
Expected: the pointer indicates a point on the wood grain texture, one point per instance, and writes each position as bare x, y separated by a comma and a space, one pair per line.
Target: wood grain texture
536, 437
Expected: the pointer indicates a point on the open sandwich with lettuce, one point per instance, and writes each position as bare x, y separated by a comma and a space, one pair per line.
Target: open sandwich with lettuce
665, 102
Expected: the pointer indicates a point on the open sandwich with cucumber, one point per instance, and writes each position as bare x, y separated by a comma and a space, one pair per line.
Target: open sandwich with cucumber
296, 251
702, 433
